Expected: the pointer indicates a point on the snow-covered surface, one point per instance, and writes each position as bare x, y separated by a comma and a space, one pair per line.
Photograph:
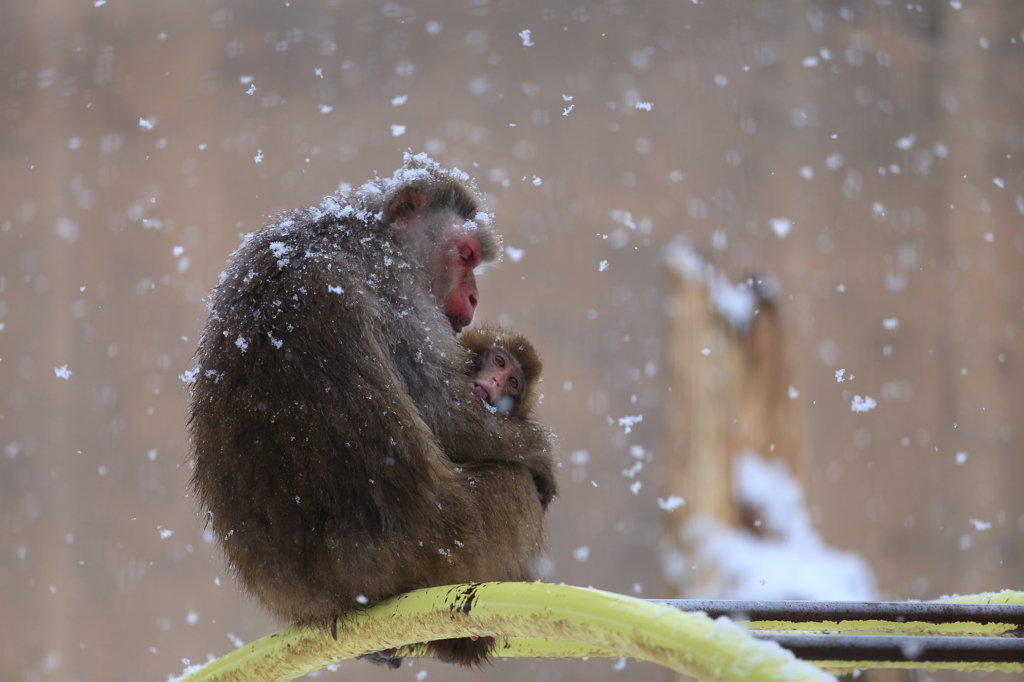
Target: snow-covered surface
789, 561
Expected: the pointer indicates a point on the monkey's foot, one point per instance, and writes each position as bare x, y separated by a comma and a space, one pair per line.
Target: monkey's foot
468, 651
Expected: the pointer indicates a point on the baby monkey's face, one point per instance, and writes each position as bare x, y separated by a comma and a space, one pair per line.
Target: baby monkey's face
499, 381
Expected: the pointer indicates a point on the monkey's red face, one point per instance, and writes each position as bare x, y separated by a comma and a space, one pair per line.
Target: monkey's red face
454, 281
458, 253
500, 381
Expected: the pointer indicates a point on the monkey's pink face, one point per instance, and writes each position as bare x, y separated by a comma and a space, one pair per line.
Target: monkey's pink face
500, 381
455, 282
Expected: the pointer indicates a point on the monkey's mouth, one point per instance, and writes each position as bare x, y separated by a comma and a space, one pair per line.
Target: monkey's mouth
479, 391
458, 323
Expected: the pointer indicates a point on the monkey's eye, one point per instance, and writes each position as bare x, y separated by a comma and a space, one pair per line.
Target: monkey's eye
513, 382
499, 360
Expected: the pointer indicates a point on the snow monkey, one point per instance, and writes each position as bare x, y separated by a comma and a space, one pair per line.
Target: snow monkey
337, 449
504, 369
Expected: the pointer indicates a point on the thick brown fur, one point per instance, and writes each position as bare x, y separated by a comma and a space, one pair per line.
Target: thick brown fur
478, 340
338, 452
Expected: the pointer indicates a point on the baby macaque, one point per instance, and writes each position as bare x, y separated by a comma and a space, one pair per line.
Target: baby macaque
504, 369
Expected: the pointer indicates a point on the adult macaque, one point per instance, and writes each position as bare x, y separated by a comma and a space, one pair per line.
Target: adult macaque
341, 457
504, 369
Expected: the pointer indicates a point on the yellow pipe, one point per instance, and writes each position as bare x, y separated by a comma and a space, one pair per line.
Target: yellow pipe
601, 622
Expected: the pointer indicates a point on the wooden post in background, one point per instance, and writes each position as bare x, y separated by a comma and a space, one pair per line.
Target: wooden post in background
733, 391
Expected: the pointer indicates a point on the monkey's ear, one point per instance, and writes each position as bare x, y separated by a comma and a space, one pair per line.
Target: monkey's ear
408, 204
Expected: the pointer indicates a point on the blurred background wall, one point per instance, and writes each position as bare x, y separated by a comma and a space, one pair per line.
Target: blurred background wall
139, 140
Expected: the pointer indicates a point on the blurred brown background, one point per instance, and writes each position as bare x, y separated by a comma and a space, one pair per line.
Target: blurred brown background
889, 134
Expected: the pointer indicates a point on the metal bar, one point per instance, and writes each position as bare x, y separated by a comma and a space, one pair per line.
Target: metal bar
901, 648
817, 611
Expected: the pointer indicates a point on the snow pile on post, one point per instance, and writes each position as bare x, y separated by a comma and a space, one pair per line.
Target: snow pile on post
734, 302
790, 560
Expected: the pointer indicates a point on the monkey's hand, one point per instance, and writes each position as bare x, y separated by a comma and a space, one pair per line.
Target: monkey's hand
543, 471
386, 658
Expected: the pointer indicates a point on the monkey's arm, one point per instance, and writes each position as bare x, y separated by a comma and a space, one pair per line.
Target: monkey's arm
477, 436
